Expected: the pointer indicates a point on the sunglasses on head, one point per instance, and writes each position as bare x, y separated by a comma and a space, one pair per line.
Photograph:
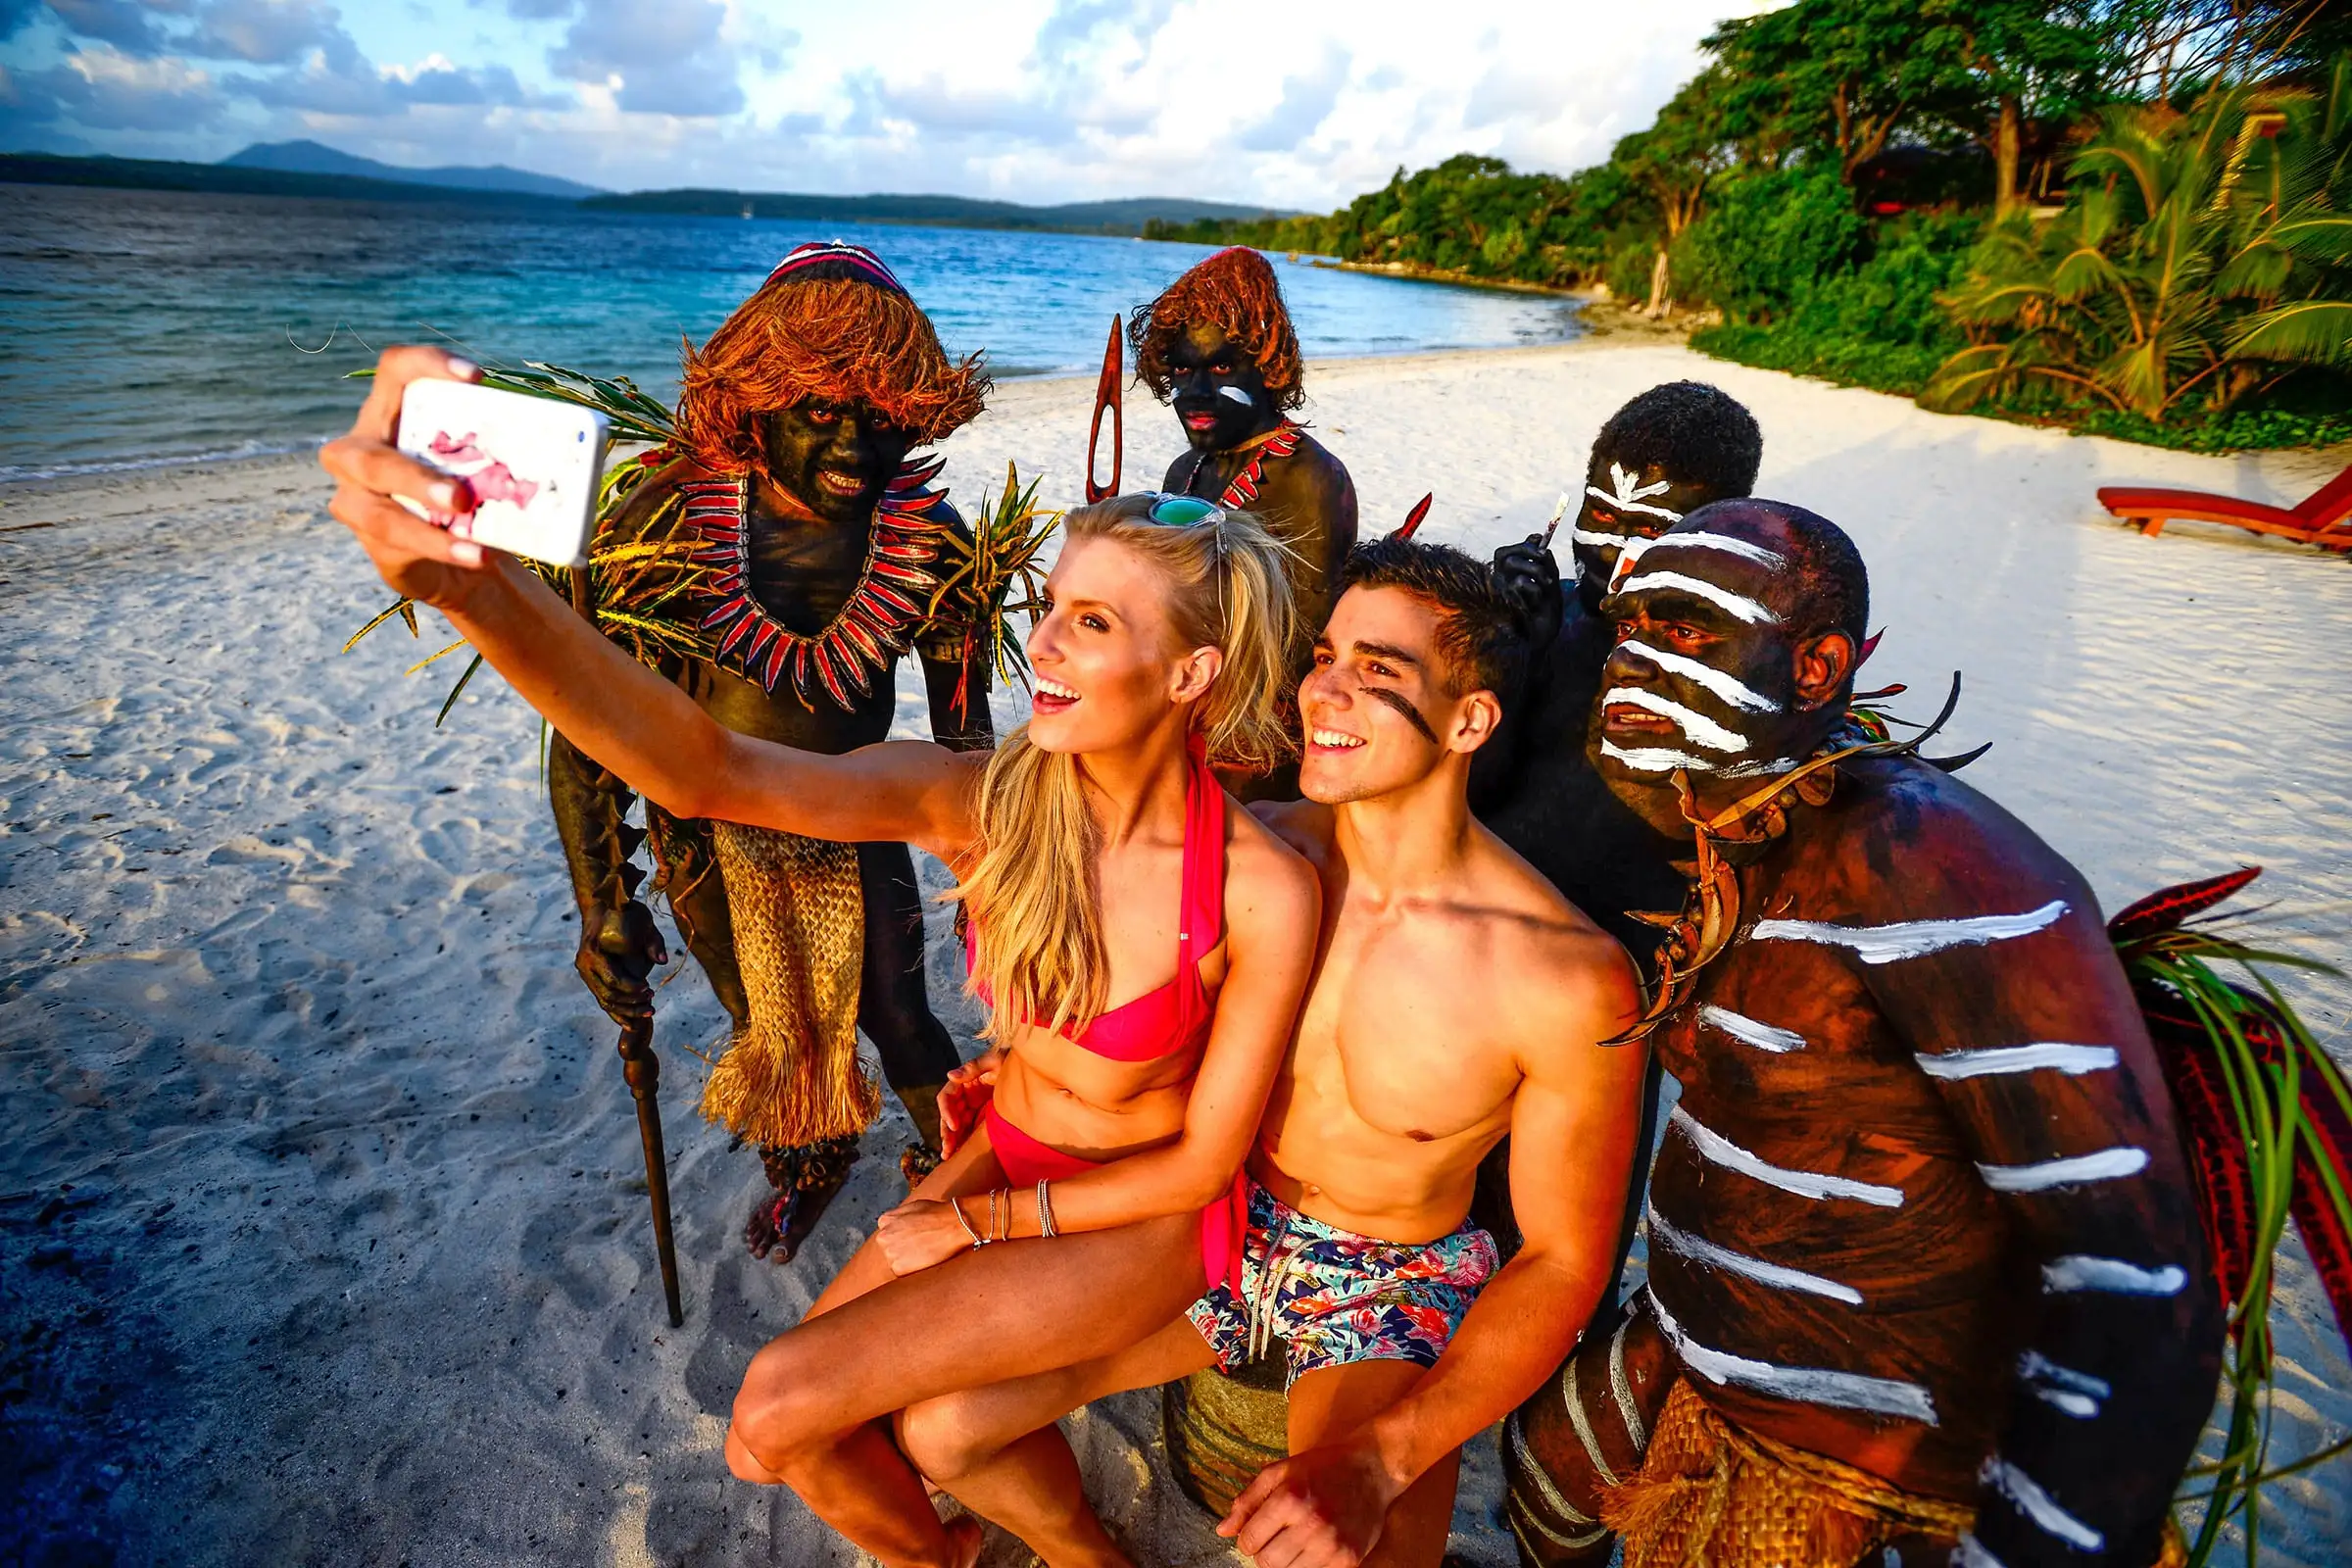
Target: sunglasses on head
1184, 511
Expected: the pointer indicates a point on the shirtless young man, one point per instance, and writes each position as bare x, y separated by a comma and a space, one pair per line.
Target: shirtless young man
1456, 997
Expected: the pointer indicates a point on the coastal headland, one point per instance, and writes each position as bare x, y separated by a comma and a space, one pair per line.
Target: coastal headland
323, 1205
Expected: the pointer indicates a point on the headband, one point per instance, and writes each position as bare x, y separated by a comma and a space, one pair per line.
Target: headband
867, 267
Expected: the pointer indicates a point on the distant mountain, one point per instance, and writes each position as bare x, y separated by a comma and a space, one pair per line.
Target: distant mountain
1125, 217
313, 158
143, 173
307, 169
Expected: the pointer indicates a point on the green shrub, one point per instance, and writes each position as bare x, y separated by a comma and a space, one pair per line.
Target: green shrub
1760, 249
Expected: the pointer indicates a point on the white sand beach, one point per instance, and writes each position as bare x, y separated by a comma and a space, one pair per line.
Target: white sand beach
323, 1228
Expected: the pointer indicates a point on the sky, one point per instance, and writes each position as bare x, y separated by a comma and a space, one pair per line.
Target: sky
1281, 105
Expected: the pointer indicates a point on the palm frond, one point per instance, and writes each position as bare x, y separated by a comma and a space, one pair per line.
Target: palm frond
2305, 332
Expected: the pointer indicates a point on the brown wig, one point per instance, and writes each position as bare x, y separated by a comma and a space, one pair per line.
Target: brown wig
832, 339
1236, 292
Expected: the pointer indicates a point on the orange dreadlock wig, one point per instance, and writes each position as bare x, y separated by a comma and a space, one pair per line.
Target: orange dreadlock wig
1234, 291
834, 339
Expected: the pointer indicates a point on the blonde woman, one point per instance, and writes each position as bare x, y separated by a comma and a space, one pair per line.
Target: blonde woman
1143, 944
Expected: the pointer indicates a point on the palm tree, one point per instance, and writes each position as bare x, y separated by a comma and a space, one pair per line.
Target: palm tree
2203, 256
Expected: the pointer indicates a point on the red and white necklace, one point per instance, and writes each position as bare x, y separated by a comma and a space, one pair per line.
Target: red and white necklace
877, 624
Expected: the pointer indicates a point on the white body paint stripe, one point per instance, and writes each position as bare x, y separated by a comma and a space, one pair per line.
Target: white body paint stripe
1731, 690
1912, 939
2078, 1272
1623, 1389
2104, 1166
1696, 727
1746, 1030
2038, 1505
1970, 1553
2073, 1060
1843, 1391
1545, 1485
1701, 1251
1702, 539
2077, 1394
1803, 1183
1237, 394
1738, 605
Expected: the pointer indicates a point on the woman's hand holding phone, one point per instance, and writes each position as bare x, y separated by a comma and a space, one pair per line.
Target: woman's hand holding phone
432, 566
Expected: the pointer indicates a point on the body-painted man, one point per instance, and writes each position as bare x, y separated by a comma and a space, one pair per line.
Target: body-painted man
801, 539
1927, 1276
1669, 451
1218, 345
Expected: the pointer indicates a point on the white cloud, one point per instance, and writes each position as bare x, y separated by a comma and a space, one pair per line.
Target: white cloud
1034, 100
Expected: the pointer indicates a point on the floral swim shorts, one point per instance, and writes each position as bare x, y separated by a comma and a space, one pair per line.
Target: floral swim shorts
1336, 1298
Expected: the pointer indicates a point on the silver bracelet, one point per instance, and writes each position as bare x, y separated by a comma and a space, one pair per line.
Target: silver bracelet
1044, 1213
957, 1206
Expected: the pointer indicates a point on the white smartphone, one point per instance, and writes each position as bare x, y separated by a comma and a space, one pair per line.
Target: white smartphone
532, 464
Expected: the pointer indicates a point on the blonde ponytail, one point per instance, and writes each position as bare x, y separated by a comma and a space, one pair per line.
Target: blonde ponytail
1033, 895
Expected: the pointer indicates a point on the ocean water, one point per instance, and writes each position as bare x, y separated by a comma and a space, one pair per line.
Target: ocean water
141, 327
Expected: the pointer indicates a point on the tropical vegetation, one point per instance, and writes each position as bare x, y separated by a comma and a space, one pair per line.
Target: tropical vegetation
2133, 216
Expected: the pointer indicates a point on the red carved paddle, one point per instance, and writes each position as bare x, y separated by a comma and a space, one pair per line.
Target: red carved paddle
1412, 518
1106, 396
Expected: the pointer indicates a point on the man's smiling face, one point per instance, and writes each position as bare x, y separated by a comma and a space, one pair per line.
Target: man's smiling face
1376, 701
834, 458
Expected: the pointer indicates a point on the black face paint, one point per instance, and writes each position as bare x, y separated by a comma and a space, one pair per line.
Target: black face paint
1412, 714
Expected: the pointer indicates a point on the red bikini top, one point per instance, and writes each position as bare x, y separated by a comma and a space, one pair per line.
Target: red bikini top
1176, 1016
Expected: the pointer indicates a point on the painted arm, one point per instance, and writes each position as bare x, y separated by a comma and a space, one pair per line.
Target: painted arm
2034, 1043
1574, 1125
620, 946
643, 729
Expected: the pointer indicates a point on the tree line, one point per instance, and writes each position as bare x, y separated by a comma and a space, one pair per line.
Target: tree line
2128, 214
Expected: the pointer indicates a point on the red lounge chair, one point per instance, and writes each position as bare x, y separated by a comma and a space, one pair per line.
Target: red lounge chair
2325, 518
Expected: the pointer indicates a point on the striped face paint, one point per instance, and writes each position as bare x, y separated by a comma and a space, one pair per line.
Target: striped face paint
1622, 510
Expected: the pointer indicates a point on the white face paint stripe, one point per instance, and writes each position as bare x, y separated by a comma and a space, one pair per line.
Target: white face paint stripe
1630, 493
1844, 1391
1662, 759
1700, 539
2104, 1166
1912, 939
2077, 1394
2073, 1060
1237, 394
1624, 504
1726, 687
2038, 1505
1713, 1146
1762, 1036
1654, 759
1738, 605
2112, 1275
1701, 1251
1970, 1553
1696, 727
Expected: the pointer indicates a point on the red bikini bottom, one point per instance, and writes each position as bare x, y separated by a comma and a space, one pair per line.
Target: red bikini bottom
1224, 1224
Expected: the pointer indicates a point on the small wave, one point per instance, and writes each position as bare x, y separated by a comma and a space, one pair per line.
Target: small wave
18, 473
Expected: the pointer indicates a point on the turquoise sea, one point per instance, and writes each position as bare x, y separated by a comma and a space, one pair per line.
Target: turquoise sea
142, 327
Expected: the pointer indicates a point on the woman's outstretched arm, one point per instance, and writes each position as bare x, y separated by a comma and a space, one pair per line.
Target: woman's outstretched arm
630, 720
